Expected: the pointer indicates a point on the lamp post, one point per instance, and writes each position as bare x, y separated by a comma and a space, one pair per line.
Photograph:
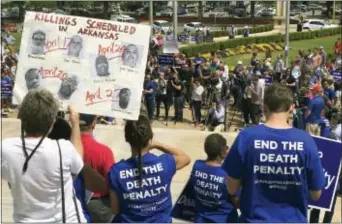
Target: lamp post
175, 19
151, 16
287, 33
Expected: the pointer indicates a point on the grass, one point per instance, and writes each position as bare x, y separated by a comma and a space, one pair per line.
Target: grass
326, 42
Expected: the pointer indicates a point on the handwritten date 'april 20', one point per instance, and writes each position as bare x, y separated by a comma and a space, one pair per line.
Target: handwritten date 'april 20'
99, 96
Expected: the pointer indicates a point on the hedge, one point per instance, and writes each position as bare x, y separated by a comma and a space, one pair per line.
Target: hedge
192, 50
256, 29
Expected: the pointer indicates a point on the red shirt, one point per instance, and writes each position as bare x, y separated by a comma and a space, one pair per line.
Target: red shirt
98, 156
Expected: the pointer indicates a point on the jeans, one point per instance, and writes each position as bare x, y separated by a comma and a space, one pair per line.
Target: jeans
314, 214
150, 108
196, 107
162, 99
100, 210
178, 103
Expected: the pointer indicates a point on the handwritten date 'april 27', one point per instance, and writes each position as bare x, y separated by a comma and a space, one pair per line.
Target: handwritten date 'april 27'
99, 96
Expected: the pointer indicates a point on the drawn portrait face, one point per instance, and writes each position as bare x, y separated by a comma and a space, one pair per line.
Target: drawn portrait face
68, 87
124, 98
38, 41
75, 46
32, 79
130, 56
101, 65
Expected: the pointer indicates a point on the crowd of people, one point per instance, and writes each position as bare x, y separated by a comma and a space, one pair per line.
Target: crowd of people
9, 61
199, 83
86, 184
51, 167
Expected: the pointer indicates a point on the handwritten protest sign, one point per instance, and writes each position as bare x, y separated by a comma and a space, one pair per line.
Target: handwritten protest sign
96, 65
330, 152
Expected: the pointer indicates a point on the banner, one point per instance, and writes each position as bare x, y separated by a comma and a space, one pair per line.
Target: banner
170, 47
337, 75
330, 152
184, 209
166, 59
96, 65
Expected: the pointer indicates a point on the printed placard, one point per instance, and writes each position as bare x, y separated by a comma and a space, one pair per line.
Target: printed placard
330, 152
166, 59
185, 209
81, 60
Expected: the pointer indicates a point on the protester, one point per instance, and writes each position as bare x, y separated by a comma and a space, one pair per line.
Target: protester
197, 93
100, 158
140, 185
34, 193
276, 187
313, 114
216, 207
149, 94
178, 89
62, 130
162, 96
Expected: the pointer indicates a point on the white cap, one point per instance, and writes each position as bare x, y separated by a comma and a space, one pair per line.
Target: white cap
239, 62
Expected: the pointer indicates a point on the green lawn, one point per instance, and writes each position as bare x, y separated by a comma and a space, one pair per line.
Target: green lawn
326, 42
17, 37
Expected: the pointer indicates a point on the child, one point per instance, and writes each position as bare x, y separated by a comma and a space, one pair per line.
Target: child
208, 179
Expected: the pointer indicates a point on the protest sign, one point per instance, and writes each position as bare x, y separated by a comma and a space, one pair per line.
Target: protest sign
170, 47
96, 65
337, 75
166, 59
182, 38
330, 152
209, 39
6, 88
184, 208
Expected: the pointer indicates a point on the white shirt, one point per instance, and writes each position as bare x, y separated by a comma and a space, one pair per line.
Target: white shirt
197, 93
219, 114
337, 132
37, 193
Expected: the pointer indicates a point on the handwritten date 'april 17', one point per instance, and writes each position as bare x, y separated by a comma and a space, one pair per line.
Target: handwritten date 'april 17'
99, 96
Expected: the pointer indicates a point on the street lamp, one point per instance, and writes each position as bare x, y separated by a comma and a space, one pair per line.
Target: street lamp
287, 33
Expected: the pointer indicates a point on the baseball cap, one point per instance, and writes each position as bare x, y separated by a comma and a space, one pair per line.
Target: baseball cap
86, 119
239, 62
316, 88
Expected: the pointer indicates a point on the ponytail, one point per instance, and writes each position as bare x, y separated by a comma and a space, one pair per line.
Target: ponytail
138, 134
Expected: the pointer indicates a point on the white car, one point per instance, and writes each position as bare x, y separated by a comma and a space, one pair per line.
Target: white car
123, 18
313, 24
166, 12
195, 26
217, 13
161, 26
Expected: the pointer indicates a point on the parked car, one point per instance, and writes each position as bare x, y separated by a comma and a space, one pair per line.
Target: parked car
295, 12
217, 13
161, 26
166, 12
124, 19
195, 26
315, 24
314, 7
268, 12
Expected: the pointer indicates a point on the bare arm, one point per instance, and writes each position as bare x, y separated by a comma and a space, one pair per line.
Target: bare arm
315, 195
114, 202
233, 186
93, 180
75, 131
181, 158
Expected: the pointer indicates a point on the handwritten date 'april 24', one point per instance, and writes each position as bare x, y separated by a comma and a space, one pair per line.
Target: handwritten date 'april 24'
99, 96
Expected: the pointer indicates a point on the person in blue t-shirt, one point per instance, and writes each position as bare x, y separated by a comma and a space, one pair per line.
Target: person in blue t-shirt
314, 111
208, 180
149, 93
198, 62
277, 166
140, 186
329, 92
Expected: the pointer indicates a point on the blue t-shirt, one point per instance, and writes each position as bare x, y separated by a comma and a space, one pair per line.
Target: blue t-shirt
197, 62
148, 86
150, 203
213, 202
81, 194
277, 168
316, 105
330, 93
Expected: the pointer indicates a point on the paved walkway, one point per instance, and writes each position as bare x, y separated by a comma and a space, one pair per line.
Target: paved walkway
188, 140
